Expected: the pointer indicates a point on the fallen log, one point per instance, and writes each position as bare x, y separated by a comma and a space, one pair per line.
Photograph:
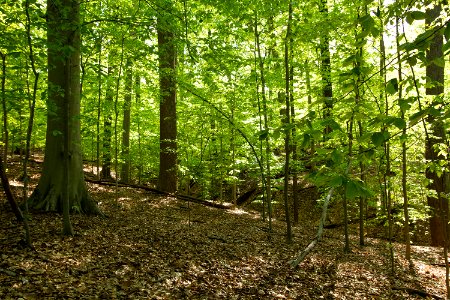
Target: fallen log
421, 293
248, 197
156, 191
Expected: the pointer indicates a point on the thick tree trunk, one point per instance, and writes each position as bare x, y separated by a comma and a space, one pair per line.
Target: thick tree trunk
168, 114
435, 86
63, 93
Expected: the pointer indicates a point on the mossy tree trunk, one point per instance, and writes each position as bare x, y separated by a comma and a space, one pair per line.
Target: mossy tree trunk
63, 38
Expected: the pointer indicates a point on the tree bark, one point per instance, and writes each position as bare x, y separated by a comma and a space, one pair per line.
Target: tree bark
325, 69
9, 195
125, 170
5, 111
168, 169
107, 123
63, 37
439, 183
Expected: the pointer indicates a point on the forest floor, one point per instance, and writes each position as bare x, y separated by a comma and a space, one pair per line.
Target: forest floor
157, 247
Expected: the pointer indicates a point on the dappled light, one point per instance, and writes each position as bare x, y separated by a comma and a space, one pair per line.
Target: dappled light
251, 149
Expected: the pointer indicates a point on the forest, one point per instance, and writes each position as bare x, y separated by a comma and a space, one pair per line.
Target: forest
206, 149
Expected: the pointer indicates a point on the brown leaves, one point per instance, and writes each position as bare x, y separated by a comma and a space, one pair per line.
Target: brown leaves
156, 247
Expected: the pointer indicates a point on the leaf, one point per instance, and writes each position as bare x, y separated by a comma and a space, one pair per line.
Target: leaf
447, 32
336, 156
15, 54
263, 134
351, 190
404, 104
367, 22
349, 60
355, 189
412, 61
418, 15
306, 140
336, 181
418, 116
399, 123
392, 86
378, 138
446, 47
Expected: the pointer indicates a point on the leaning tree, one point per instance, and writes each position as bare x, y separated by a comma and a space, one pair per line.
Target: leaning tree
62, 172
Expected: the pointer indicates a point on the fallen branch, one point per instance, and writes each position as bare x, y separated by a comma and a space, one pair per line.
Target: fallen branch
8, 272
156, 191
301, 255
421, 293
9, 196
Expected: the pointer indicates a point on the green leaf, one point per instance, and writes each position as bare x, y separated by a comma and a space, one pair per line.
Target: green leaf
332, 124
362, 34
351, 190
349, 60
355, 189
440, 62
276, 134
378, 138
418, 116
409, 18
306, 140
263, 134
418, 15
15, 54
375, 32
404, 104
392, 86
412, 61
399, 123
447, 32
336, 181
336, 156
446, 47
367, 22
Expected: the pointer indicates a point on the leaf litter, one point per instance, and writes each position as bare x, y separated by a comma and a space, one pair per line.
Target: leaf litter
155, 247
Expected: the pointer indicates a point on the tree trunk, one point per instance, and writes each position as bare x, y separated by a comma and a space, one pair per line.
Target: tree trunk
99, 103
167, 180
435, 87
125, 171
107, 123
5, 111
137, 87
325, 69
63, 75
9, 195
287, 120
268, 150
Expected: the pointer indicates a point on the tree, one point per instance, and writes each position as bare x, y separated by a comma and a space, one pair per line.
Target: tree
63, 109
325, 67
107, 123
167, 180
125, 171
438, 182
